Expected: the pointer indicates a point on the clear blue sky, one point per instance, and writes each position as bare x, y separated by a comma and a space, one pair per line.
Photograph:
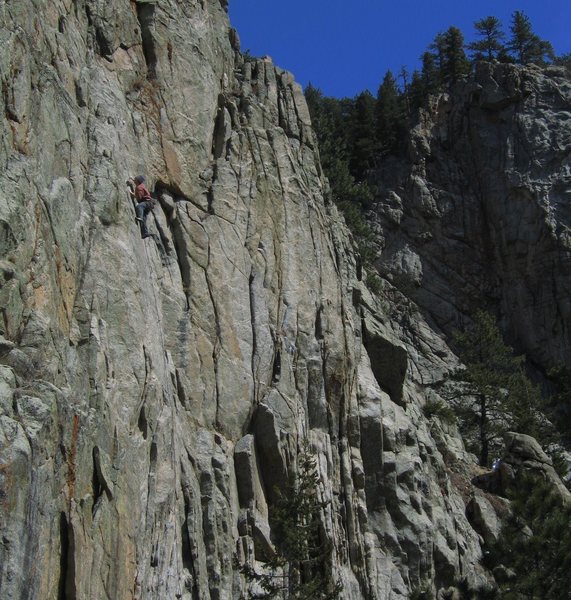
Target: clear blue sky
345, 47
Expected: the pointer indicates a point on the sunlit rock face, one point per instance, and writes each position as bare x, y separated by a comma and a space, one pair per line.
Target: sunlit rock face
480, 213
155, 393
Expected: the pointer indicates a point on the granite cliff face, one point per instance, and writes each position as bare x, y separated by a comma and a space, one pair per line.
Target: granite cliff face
155, 392
480, 214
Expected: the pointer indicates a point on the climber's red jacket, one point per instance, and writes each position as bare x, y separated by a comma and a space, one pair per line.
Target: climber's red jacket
142, 193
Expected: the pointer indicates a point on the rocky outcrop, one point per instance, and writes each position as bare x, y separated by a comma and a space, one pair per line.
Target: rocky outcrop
155, 393
479, 217
523, 458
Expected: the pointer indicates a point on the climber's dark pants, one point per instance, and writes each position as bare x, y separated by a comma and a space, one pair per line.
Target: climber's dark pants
142, 209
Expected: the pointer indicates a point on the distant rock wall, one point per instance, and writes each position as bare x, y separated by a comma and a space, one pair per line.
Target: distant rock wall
480, 214
153, 392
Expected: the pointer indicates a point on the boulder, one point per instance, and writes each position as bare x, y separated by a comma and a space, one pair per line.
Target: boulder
483, 518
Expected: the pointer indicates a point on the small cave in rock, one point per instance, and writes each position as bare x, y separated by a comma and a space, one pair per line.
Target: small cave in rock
319, 324
64, 549
153, 455
389, 362
66, 588
98, 484
142, 423
277, 367
186, 552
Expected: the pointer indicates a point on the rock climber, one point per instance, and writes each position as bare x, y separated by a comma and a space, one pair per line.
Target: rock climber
145, 202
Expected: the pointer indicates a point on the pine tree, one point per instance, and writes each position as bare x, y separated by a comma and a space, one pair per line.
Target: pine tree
403, 74
299, 570
438, 48
524, 44
329, 123
492, 393
390, 116
331, 119
456, 64
431, 73
363, 130
535, 544
417, 91
491, 45
445, 61
525, 406
405, 96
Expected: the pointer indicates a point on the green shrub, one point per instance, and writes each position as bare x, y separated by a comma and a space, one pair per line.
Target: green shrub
437, 408
374, 283
535, 543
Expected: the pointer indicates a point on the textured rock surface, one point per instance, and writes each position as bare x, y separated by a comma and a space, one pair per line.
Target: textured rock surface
523, 456
480, 216
153, 392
